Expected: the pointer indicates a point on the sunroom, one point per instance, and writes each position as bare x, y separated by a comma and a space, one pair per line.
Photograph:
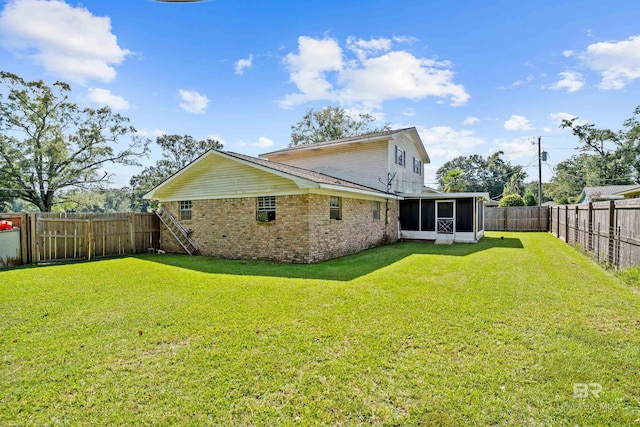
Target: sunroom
443, 217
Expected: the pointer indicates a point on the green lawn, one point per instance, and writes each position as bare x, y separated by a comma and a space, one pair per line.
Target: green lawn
498, 333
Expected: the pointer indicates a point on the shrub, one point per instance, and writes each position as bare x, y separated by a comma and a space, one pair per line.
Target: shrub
530, 200
511, 200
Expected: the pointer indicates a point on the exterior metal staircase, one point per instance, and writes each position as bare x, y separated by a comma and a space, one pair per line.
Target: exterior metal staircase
181, 234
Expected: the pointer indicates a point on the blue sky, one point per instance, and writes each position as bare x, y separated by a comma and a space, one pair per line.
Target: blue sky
473, 76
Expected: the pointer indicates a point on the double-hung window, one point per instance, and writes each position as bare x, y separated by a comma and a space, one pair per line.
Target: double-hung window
185, 210
376, 210
400, 157
417, 166
266, 208
335, 207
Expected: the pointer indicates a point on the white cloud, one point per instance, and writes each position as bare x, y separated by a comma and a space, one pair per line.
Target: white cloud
524, 81
192, 101
105, 97
365, 48
514, 148
470, 120
67, 41
321, 70
218, 138
243, 64
617, 62
409, 112
572, 81
567, 53
263, 142
557, 118
517, 123
445, 137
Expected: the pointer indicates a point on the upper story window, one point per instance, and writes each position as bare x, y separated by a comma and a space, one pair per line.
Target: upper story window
417, 166
185, 210
400, 157
335, 207
266, 208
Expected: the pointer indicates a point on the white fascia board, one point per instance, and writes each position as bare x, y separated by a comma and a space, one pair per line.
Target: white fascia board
239, 195
461, 195
332, 189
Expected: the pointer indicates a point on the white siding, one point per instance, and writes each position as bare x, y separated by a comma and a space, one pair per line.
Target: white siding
362, 163
405, 181
217, 177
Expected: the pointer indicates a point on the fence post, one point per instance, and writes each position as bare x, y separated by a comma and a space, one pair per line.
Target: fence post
611, 243
566, 224
576, 233
89, 238
132, 233
505, 226
590, 227
35, 237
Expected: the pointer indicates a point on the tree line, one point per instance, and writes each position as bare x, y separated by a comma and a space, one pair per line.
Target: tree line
53, 154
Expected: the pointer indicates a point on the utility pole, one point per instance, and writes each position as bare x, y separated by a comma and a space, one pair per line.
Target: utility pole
539, 172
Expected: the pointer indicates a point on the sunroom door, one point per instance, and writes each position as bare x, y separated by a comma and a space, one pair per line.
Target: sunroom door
445, 217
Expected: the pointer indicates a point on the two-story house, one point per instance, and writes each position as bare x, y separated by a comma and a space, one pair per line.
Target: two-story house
301, 204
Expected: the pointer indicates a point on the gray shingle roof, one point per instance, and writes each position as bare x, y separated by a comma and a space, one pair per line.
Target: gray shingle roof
339, 141
607, 190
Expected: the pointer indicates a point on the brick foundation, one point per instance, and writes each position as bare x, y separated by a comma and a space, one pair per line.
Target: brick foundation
301, 233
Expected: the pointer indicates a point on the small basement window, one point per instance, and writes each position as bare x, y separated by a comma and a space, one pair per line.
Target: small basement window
376, 210
335, 207
266, 208
185, 210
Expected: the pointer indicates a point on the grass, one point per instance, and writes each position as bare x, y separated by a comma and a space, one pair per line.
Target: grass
499, 333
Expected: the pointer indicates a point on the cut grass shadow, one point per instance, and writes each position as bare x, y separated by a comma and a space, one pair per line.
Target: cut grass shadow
340, 269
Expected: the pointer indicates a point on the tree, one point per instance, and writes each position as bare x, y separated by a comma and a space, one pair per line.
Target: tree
511, 200
332, 123
480, 174
615, 155
454, 181
95, 200
515, 184
48, 144
177, 152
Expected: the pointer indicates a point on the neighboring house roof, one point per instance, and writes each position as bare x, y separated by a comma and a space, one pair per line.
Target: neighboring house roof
303, 177
376, 136
629, 192
604, 192
426, 189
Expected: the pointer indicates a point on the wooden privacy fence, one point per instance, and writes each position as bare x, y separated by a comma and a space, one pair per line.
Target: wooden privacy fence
609, 231
517, 218
50, 237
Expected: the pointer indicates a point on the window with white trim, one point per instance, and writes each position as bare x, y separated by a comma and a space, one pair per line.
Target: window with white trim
376, 210
400, 157
417, 166
266, 208
185, 210
335, 207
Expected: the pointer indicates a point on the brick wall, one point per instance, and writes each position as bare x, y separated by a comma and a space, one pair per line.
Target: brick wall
302, 231
355, 232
